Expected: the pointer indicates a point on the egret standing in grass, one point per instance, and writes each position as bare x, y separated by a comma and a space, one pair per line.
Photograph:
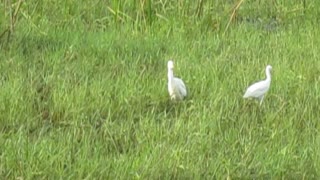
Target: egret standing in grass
176, 87
259, 89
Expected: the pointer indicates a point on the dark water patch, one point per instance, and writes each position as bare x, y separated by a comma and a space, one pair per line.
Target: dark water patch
270, 24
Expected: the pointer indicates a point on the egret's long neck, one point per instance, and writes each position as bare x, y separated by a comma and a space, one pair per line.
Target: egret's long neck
268, 75
170, 75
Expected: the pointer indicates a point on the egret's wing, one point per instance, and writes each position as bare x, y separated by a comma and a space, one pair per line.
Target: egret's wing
181, 87
257, 89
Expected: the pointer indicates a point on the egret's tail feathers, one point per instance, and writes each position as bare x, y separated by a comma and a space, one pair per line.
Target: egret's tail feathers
245, 95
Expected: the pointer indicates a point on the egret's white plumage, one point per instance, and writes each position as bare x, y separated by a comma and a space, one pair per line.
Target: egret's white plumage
176, 87
259, 89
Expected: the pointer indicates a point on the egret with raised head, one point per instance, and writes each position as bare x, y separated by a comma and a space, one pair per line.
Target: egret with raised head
176, 87
259, 89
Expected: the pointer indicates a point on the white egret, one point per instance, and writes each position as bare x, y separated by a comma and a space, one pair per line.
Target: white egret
176, 87
259, 89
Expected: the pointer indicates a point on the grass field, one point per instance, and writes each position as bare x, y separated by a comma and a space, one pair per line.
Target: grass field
83, 90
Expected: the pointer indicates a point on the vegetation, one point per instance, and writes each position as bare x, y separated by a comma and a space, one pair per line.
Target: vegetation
83, 89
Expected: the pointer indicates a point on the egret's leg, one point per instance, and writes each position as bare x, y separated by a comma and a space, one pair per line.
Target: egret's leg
261, 99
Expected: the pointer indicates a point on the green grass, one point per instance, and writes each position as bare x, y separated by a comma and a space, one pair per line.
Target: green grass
83, 91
